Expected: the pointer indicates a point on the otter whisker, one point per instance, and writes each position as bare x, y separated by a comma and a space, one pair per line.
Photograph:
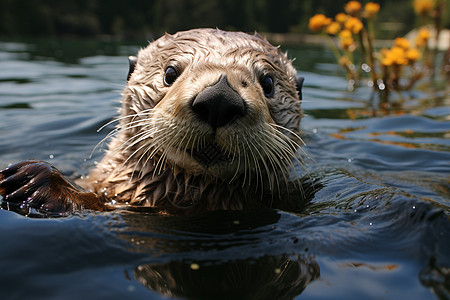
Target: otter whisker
246, 168
163, 156
289, 131
281, 149
160, 165
139, 160
153, 148
236, 152
136, 139
142, 136
149, 157
156, 147
296, 137
136, 151
287, 155
139, 114
274, 162
118, 129
282, 167
187, 134
262, 158
294, 155
254, 149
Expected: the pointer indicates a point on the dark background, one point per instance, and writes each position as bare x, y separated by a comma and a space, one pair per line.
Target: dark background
136, 19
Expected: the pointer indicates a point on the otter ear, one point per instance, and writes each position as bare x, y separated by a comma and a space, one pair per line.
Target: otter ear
300, 80
132, 60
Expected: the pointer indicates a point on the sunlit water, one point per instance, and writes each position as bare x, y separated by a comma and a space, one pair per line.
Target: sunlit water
377, 229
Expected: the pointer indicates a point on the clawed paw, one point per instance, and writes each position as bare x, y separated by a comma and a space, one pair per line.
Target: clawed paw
33, 186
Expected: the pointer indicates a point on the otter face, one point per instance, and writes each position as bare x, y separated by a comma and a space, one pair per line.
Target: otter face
213, 102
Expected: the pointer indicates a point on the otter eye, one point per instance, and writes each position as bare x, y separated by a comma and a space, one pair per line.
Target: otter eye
267, 85
170, 76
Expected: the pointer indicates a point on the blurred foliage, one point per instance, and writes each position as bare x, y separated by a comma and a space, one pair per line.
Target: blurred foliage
144, 19
395, 69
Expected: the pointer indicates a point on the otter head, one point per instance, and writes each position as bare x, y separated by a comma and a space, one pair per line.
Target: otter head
210, 102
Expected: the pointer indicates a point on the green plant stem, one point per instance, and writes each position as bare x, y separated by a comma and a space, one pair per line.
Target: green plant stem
384, 93
371, 61
333, 47
437, 16
338, 56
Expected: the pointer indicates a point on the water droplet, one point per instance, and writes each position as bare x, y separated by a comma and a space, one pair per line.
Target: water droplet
51, 156
195, 266
131, 288
277, 271
381, 84
351, 85
349, 160
370, 224
366, 68
315, 130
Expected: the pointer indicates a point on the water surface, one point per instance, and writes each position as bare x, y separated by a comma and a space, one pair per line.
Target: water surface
377, 229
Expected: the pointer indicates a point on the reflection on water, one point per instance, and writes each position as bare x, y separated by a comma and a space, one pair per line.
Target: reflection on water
378, 226
261, 278
211, 267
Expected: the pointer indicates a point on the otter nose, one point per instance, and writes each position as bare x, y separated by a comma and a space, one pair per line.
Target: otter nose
219, 104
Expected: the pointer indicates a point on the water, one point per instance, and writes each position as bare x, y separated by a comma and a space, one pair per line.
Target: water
378, 228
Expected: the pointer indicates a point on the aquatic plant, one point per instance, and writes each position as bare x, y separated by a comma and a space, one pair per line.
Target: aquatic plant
394, 69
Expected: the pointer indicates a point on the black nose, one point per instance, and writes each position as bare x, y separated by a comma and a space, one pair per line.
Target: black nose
219, 104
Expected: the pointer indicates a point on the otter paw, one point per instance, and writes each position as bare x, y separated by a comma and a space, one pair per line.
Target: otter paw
35, 187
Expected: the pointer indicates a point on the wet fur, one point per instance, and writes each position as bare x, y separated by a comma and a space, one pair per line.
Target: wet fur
149, 160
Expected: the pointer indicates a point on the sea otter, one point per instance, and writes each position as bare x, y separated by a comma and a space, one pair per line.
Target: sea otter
210, 120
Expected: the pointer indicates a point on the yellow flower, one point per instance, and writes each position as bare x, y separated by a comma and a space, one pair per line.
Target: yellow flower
422, 7
318, 22
371, 9
422, 37
341, 18
333, 28
353, 8
402, 43
346, 43
346, 39
412, 54
345, 34
344, 61
354, 25
424, 34
394, 56
386, 59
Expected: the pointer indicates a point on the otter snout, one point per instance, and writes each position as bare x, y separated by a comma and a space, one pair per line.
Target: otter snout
219, 104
